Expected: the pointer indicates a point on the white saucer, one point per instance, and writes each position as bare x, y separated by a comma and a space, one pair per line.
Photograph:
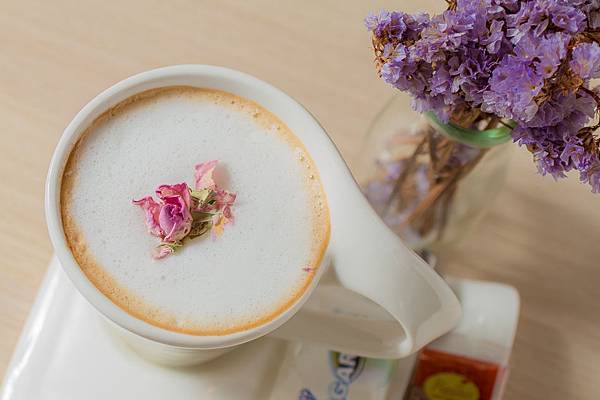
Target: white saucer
66, 352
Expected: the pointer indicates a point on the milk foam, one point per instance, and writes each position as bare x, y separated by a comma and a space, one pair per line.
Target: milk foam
251, 273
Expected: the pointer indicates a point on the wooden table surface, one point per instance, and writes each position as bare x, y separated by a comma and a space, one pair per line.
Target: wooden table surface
540, 236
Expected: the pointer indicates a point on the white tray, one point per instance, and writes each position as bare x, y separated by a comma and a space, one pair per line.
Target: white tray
67, 352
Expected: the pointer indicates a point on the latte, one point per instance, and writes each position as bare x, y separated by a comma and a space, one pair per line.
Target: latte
255, 270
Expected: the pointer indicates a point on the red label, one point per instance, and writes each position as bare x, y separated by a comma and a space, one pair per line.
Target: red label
444, 376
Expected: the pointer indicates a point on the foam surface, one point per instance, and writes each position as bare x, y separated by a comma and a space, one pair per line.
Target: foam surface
248, 275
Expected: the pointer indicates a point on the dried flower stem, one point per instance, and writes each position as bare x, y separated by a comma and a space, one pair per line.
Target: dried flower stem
430, 214
404, 175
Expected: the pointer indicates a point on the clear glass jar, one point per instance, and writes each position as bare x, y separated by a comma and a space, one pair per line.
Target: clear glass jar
429, 181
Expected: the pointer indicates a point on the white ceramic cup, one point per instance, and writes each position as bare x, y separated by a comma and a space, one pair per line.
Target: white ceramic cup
378, 300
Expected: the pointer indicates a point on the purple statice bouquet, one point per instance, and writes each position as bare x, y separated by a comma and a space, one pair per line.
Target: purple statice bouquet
525, 64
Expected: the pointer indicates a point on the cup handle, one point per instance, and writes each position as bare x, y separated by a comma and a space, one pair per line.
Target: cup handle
386, 301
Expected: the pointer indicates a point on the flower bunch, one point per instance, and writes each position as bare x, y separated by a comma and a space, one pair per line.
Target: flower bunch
182, 212
531, 62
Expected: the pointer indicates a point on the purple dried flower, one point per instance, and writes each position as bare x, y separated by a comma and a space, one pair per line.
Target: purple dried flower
446, 32
396, 25
546, 146
513, 87
591, 175
551, 51
567, 17
377, 23
537, 16
553, 138
573, 111
586, 61
440, 81
511, 6
532, 16
495, 38
545, 52
574, 153
530, 61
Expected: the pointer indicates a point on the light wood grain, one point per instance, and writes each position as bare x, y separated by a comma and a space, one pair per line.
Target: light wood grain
540, 236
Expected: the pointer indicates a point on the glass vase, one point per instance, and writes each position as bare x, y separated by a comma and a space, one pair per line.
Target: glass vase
429, 181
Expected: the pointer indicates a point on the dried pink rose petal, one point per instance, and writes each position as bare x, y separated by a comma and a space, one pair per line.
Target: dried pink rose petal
175, 217
224, 198
170, 220
179, 209
162, 251
152, 210
227, 213
223, 202
179, 189
204, 173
